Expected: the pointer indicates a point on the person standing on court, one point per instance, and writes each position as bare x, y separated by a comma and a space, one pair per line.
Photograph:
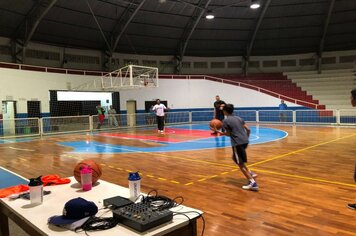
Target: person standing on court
218, 109
159, 110
112, 116
282, 111
353, 103
239, 133
101, 116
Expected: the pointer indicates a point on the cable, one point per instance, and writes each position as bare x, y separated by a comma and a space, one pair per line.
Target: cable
158, 202
99, 223
162, 202
196, 212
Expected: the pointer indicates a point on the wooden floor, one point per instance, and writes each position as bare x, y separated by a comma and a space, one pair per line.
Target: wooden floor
306, 179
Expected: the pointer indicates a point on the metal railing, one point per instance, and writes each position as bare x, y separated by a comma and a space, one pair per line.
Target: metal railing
23, 127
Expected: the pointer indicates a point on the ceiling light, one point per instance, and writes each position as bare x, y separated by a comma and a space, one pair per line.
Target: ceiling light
255, 4
209, 15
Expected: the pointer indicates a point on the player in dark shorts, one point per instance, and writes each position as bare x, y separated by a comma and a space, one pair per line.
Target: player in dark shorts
239, 132
218, 110
353, 103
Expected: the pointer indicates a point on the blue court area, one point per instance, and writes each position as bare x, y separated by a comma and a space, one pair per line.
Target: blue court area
8, 179
258, 135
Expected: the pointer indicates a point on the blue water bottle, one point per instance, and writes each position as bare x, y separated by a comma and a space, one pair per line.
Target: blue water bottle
134, 185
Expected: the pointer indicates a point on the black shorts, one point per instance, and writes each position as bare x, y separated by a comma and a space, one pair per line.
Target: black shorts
239, 155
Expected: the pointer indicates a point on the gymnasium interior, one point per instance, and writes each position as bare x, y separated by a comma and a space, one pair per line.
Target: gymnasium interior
79, 80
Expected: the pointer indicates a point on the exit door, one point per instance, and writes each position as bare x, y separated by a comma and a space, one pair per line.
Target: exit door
8, 114
34, 109
131, 113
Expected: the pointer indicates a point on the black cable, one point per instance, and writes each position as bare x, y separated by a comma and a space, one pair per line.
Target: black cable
98, 223
190, 221
199, 215
159, 202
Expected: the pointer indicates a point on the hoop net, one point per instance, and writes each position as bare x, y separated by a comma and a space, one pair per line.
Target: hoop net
128, 77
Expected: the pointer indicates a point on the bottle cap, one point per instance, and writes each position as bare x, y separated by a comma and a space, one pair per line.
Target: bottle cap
134, 176
35, 181
86, 170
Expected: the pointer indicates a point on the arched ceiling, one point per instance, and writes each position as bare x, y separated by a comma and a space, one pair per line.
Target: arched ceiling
161, 27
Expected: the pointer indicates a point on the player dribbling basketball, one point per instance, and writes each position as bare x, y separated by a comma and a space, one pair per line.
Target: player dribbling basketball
239, 132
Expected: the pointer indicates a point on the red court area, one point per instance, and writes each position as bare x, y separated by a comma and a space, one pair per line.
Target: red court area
170, 135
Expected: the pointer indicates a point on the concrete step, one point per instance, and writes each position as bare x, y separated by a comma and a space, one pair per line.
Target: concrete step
316, 76
330, 87
334, 102
327, 83
339, 106
332, 78
331, 96
314, 72
329, 92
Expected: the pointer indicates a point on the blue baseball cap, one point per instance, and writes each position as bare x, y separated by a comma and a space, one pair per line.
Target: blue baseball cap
74, 210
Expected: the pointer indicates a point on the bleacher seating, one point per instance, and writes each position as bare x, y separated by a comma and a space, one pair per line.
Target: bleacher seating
331, 87
278, 83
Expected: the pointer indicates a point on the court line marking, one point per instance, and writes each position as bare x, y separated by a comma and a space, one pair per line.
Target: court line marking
13, 173
165, 155
142, 174
300, 150
304, 177
257, 163
285, 135
22, 149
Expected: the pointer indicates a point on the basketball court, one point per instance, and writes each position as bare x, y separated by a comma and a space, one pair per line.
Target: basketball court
304, 172
87, 89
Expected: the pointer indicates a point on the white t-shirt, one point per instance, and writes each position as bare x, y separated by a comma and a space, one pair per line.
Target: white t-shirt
159, 109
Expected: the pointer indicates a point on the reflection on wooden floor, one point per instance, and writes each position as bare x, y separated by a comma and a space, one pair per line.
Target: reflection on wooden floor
306, 179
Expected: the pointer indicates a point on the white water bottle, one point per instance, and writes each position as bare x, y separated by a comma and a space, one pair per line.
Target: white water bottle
134, 185
36, 190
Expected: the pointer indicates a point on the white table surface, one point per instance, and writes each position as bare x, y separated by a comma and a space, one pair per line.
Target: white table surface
53, 205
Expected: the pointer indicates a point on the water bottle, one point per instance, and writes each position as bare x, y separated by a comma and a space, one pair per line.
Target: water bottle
36, 190
134, 185
86, 178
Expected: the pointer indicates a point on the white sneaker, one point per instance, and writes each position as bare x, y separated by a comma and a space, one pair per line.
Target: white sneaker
251, 186
161, 131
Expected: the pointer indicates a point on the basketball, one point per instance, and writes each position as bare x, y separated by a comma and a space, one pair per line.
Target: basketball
93, 165
215, 123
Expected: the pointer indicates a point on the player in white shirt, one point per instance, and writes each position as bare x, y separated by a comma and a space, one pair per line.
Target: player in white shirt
159, 110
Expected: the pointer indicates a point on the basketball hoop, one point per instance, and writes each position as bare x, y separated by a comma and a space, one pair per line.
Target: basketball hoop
128, 77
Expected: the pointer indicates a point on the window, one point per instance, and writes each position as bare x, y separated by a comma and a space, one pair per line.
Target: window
200, 64
45, 55
234, 64
328, 60
186, 64
80, 59
286, 63
270, 63
216, 64
307, 62
255, 64
348, 59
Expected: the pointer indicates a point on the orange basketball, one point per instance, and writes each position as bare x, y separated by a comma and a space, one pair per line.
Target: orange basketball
215, 123
93, 165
